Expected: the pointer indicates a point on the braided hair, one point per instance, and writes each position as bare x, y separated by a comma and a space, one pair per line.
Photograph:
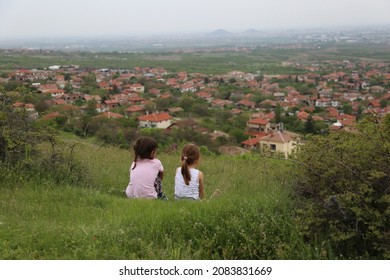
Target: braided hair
144, 148
190, 154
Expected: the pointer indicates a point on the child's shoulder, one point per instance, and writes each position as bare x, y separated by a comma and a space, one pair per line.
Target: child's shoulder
156, 160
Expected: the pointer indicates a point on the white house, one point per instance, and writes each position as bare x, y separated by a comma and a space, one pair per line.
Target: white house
280, 141
158, 120
137, 88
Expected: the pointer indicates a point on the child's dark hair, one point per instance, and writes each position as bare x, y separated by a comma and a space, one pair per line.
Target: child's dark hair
190, 154
144, 148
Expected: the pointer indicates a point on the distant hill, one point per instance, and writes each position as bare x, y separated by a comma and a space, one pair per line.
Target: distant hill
219, 32
252, 31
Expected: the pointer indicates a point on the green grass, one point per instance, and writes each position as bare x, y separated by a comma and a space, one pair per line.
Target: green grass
250, 219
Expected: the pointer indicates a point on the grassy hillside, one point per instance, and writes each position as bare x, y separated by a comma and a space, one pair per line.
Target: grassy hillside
92, 218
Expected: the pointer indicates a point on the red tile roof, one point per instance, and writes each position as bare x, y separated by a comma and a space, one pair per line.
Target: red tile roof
135, 109
375, 103
110, 115
45, 87
135, 99
251, 142
259, 121
159, 117
280, 137
107, 101
52, 115
18, 104
302, 115
332, 112
247, 103
203, 94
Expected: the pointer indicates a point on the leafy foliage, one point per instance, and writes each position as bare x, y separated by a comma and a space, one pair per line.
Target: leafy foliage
343, 190
21, 141
19, 134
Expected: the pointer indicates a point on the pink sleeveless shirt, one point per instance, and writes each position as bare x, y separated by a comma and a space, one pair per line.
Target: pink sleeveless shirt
142, 178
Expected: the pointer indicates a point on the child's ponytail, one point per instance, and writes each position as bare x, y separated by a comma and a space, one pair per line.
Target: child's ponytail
185, 171
190, 154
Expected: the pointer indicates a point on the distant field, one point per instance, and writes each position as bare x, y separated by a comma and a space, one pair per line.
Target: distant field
264, 60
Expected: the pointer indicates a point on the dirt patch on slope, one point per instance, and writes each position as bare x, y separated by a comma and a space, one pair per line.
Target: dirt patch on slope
232, 150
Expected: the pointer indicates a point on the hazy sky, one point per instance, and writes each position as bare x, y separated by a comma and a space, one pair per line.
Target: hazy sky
62, 18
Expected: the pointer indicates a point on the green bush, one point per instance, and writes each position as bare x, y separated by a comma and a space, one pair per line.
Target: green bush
57, 163
21, 152
19, 133
343, 190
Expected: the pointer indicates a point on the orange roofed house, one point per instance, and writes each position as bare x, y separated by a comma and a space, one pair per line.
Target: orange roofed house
279, 141
258, 125
283, 142
158, 120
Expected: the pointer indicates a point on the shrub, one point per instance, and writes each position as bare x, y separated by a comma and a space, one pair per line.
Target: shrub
20, 155
343, 190
19, 134
56, 162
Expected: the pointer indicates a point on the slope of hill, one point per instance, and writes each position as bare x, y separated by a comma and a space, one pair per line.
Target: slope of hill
249, 217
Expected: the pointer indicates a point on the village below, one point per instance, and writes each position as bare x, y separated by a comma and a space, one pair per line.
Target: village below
265, 112
294, 137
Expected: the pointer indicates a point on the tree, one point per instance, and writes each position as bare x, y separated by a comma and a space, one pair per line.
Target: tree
19, 134
377, 80
200, 109
89, 84
163, 104
115, 89
342, 191
292, 123
347, 108
238, 134
81, 127
186, 103
232, 80
91, 108
222, 116
278, 113
3, 75
150, 107
68, 88
310, 125
359, 112
259, 78
67, 77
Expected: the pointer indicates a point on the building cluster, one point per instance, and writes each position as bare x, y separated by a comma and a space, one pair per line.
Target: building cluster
338, 97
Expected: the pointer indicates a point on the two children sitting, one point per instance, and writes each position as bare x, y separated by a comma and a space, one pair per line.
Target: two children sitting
147, 172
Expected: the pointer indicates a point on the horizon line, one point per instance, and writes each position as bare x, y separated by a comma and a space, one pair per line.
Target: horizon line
200, 32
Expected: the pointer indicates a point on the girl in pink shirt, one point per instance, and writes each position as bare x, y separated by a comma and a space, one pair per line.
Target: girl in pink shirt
146, 171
